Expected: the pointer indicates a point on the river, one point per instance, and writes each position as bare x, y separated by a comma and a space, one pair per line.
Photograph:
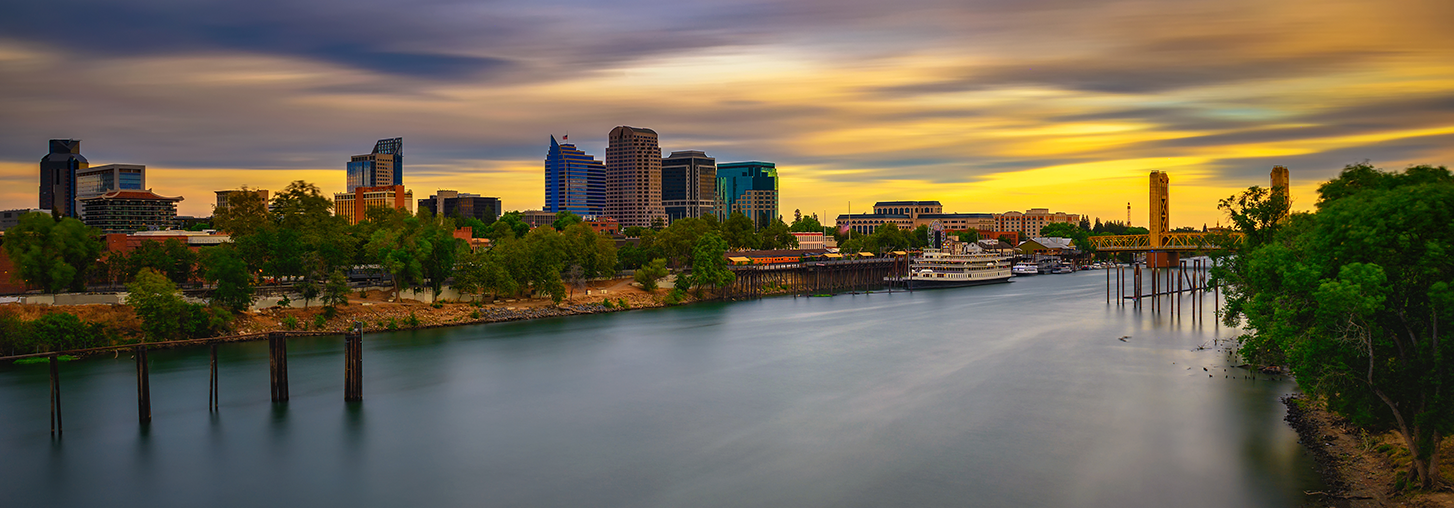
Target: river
1015, 394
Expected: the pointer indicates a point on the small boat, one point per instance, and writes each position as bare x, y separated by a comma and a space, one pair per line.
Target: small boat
1025, 269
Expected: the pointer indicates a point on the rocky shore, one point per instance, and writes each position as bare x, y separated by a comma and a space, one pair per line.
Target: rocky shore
1361, 470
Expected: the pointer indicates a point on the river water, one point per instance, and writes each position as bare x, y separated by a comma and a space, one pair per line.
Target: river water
1016, 394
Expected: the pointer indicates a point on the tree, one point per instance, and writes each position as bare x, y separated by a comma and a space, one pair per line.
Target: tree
807, 224
564, 219
968, 236
224, 267
335, 291
1079, 236
246, 213
709, 265
888, 237
54, 255
650, 273
309, 290
919, 237
60, 331
1351, 298
778, 236
157, 304
739, 232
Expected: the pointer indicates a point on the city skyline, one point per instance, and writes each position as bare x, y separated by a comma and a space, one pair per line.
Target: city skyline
965, 103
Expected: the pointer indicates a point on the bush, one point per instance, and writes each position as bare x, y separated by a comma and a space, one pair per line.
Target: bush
606, 302
392, 325
437, 305
285, 301
413, 321
290, 323
475, 314
320, 321
622, 303
675, 297
329, 312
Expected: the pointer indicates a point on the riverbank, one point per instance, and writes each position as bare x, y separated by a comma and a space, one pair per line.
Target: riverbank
1362, 469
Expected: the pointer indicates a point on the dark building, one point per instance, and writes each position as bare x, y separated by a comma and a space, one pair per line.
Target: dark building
575, 181
381, 168
748, 188
128, 211
688, 185
58, 176
455, 204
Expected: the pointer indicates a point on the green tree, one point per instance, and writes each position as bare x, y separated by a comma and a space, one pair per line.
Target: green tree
157, 305
808, 224
335, 291
709, 265
50, 254
778, 236
233, 288
650, 273
246, 213
919, 237
968, 236
739, 232
1351, 298
61, 331
564, 219
1080, 237
887, 237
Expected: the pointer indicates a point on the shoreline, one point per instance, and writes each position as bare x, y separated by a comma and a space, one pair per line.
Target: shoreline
1360, 469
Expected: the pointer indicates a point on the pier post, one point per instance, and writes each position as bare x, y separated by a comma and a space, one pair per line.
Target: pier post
1108, 286
353, 364
1155, 286
278, 365
143, 386
55, 397
212, 394
1137, 286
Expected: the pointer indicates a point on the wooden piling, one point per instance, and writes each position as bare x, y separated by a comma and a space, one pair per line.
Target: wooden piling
55, 397
212, 394
353, 364
278, 365
143, 386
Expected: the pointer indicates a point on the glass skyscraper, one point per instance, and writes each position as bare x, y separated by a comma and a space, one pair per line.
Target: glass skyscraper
688, 185
749, 188
58, 176
383, 167
575, 181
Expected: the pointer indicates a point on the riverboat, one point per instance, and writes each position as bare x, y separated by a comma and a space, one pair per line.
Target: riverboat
944, 268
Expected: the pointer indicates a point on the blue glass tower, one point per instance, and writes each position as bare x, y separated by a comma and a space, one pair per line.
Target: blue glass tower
748, 188
383, 167
575, 181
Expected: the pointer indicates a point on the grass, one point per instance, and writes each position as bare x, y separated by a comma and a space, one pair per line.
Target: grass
33, 361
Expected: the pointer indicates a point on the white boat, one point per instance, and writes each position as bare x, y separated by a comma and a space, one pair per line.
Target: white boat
1025, 269
942, 268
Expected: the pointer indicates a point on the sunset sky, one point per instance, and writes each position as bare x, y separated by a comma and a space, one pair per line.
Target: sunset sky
986, 106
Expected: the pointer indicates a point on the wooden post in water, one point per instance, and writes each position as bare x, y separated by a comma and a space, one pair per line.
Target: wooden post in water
212, 394
353, 364
143, 386
1155, 283
1137, 287
278, 365
1108, 286
55, 397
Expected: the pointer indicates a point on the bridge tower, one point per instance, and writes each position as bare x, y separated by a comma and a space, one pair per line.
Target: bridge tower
1160, 223
1280, 186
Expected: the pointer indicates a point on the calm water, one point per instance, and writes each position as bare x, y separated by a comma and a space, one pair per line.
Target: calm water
1010, 395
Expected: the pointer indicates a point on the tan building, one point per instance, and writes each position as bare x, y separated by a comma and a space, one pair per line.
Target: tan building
912, 214
354, 205
633, 177
224, 195
1028, 224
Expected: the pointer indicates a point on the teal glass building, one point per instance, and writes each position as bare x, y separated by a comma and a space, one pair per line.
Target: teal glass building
749, 188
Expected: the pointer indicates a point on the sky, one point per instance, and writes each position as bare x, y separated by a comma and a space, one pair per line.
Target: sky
984, 105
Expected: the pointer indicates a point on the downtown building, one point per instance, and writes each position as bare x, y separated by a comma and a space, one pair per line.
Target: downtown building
225, 196
97, 180
688, 185
633, 177
129, 211
909, 215
58, 176
354, 206
458, 204
575, 181
748, 188
380, 168
1028, 224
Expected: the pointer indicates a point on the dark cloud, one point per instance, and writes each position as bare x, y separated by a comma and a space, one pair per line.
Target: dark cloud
1320, 166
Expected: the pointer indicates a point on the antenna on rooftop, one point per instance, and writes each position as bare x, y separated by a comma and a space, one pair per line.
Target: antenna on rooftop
1128, 214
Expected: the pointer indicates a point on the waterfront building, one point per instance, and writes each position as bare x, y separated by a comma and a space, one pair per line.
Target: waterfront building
381, 168
458, 204
633, 177
1028, 224
58, 176
355, 205
194, 240
224, 195
97, 180
537, 218
688, 185
810, 240
748, 188
575, 181
11, 218
910, 215
127, 211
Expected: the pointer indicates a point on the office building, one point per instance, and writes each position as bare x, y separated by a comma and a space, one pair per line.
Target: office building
456, 204
97, 180
224, 195
537, 218
11, 218
748, 188
127, 211
575, 181
381, 168
58, 176
688, 185
354, 205
1028, 224
633, 177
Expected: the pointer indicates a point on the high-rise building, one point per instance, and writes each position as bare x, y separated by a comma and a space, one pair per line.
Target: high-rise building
575, 181
688, 185
128, 211
458, 204
354, 205
381, 168
58, 176
748, 188
97, 180
633, 177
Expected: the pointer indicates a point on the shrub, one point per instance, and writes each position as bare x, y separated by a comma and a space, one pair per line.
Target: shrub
622, 303
606, 302
285, 301
392, 325
329, 312
437, 305
320, 321
290, 323
475, 314
675, 297
413, 320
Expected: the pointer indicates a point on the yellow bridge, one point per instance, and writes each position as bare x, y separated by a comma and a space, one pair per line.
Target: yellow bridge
1168, 242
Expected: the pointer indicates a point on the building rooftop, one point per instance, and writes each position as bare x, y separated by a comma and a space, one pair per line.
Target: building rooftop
132, 194
907, 203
